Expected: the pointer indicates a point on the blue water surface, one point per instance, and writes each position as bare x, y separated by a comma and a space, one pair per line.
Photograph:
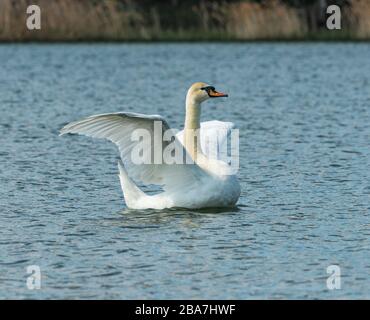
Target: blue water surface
304, 120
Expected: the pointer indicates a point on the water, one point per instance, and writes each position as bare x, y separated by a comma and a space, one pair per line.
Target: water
303, 114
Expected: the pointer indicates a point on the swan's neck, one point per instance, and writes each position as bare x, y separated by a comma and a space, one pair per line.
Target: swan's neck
192, 117
192, 129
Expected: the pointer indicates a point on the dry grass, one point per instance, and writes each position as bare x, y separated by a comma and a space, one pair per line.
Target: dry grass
70, 20
360, 19
272, 20
123, 20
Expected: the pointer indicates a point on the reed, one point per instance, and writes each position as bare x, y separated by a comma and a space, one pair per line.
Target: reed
272, 20
127, 20
66, 20
359, 19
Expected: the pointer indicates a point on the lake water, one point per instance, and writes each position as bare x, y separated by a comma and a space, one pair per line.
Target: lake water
304, 120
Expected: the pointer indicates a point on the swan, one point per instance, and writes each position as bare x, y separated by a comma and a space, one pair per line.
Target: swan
203, 182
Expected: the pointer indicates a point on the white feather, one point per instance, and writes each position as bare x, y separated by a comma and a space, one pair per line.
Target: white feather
206, 183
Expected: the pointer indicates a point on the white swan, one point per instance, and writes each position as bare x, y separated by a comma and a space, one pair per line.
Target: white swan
204, 183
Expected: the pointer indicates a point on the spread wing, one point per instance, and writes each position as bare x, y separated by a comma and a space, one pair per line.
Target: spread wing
119, 128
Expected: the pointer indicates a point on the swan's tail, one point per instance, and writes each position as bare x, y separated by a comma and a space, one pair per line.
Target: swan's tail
130, 190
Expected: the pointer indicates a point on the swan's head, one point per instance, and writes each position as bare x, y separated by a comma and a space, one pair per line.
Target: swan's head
200, 91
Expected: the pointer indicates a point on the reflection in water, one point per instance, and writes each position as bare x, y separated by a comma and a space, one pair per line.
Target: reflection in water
154, 218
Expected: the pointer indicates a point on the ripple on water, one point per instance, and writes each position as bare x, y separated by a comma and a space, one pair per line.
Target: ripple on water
304, 172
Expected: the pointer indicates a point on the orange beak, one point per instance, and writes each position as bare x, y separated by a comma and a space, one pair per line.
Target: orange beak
216, 94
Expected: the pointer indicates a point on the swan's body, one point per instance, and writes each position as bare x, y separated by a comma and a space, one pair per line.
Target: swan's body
203, 183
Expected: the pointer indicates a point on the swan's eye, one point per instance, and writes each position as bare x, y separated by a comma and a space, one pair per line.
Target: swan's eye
208, 89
